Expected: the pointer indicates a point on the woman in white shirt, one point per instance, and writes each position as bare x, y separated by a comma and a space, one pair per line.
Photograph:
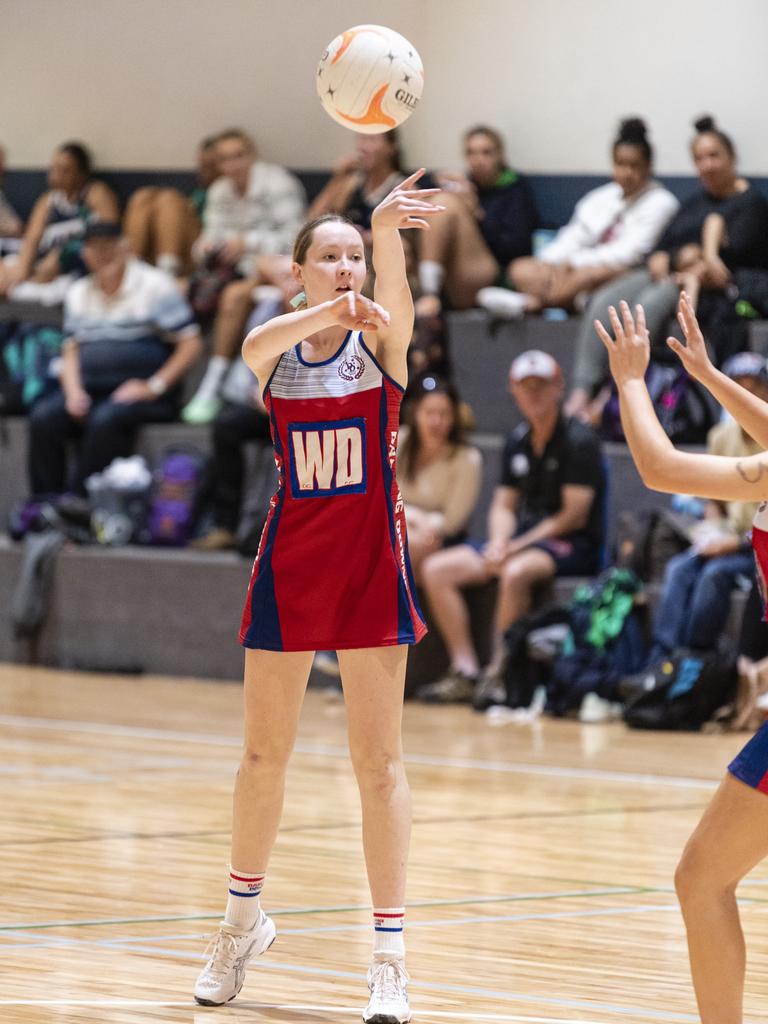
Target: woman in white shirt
438, 472
613, 228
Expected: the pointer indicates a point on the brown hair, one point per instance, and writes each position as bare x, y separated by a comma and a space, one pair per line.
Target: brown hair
306, 233
491, 133
411, 446
240, 135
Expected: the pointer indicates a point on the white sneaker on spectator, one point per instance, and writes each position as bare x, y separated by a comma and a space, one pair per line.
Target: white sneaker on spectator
502, 303
222, 977
595, 709
388, 984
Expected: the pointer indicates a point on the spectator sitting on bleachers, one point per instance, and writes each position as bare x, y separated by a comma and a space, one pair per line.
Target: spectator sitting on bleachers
613, 228
242, 418
360, 180
129, 339
696, 593
656, 287
53, 236
489, 221
251, 216
546, 520
11, 224
438, 472
161, 224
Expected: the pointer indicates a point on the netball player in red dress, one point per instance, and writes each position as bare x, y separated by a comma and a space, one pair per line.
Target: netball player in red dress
732, 836
332, 573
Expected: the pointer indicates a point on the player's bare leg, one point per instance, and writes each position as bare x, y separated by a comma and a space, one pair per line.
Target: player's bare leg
374, 683
730, 839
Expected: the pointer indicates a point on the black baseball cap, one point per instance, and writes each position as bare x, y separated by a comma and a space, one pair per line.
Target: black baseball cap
102, 229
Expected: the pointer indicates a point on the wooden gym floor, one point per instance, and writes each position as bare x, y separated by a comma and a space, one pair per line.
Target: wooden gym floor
540, 872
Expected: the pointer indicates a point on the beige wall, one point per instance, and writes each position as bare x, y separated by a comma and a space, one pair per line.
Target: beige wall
142, 80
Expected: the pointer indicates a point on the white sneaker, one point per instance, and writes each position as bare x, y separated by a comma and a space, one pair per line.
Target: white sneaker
387, 980
502, 303
223, 976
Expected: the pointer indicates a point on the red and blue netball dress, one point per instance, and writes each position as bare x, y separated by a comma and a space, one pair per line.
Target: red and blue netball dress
751, 764
332, 571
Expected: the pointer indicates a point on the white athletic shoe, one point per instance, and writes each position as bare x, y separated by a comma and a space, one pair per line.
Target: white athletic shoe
222, 977
502, 303
387, 980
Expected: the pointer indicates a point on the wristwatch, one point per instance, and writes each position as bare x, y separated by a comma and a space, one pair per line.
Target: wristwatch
157, 386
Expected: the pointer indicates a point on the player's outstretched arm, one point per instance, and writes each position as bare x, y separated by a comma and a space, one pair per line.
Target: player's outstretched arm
264, 345
660, 465
747, 409
404, 207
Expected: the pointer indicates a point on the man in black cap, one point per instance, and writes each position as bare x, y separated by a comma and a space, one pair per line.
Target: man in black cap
696, 595
130, 337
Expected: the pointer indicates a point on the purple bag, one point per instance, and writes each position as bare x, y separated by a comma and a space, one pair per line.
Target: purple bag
174, 507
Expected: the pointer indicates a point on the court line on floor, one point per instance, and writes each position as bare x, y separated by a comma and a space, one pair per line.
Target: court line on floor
325, 750
116, 1004
617, 890
446, 987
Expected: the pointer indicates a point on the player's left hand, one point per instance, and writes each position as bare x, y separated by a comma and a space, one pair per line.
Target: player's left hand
629, 351
406, 206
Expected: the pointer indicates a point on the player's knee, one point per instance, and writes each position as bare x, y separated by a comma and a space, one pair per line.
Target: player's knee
266, 759
697, 878
377, 772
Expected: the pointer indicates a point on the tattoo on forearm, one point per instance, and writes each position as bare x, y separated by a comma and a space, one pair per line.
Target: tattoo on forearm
752, 475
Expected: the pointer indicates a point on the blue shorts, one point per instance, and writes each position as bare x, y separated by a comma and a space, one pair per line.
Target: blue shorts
751, 764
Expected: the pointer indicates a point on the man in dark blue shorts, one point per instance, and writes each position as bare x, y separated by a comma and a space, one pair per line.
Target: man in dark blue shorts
546, 519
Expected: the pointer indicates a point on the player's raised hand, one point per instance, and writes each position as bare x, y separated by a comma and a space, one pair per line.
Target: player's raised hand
693, 354
629, 351
357, 313
406, 206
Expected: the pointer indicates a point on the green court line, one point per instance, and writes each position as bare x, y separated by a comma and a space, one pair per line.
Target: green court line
526, 897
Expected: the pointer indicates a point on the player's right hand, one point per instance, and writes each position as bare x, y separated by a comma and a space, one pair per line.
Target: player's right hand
357, 313
693, 354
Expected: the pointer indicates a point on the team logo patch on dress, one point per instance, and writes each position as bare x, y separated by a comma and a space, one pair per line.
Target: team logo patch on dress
327, 458
351, 368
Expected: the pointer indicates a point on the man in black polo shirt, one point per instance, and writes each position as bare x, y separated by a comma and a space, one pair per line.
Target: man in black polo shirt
545, 520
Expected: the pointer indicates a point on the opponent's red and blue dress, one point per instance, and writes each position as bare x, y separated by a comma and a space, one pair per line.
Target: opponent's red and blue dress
751, 764
332, 571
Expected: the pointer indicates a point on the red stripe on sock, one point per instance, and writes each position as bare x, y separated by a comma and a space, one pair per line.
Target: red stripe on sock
375, 914
248, 878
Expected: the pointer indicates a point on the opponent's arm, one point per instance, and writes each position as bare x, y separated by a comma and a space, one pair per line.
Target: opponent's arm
747, 409
660, 465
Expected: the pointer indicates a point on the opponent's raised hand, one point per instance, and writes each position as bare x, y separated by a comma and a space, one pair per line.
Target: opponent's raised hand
693, 354
629, 350
357, 313
406, 206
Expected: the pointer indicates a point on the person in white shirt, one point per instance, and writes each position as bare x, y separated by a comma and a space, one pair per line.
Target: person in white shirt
613, 228
129, 339
252, 214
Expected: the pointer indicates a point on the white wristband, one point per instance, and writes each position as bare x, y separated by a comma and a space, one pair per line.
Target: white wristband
157, 386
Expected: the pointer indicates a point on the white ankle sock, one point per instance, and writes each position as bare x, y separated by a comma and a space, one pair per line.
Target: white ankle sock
431, 276
243, 903
215, 372
388, 936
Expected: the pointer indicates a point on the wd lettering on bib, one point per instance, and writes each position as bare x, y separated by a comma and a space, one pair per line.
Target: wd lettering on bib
327, 458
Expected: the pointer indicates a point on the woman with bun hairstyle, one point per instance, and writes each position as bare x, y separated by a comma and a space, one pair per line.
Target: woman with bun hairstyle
613, 228
721, 227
